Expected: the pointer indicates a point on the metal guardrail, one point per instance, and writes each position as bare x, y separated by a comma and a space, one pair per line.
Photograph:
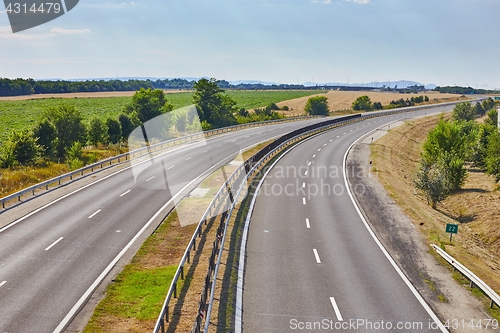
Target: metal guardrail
138, 153
247, 169
474, 280
250, 166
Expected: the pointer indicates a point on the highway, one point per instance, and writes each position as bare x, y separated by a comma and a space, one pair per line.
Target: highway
53, 258
311, 263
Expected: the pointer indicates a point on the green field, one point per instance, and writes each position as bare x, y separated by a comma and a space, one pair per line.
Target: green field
21, 114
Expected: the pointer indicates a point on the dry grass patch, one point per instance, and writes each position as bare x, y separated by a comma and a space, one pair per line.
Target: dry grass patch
476, 208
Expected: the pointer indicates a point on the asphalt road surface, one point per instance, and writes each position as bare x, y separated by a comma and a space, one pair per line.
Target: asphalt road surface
312, 264
50, 260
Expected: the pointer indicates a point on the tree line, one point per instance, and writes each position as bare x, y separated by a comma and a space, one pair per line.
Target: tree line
20, 87
454, 144
62, 132
463, 90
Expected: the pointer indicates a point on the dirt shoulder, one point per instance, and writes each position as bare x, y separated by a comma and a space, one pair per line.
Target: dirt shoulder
404, 235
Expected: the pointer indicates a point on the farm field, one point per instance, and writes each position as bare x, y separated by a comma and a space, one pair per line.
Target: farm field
342, 100
17, 113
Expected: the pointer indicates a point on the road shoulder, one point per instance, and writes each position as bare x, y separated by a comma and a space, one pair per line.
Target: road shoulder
407, 246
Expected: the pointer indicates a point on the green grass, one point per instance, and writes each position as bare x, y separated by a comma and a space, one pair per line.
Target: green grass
16, 115
255, 99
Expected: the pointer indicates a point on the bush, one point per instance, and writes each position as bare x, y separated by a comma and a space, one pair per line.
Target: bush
20, 148
317, 106
98, 132
362, 103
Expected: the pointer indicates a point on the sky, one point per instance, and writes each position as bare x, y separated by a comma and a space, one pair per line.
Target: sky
442, 42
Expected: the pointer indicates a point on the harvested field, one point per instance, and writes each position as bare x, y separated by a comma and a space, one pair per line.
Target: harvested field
342, 100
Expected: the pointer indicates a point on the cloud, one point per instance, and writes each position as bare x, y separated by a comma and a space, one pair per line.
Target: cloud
6, 33
322, 1
68, 31
362, 2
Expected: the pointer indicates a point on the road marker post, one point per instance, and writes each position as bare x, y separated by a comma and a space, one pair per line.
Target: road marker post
452, 229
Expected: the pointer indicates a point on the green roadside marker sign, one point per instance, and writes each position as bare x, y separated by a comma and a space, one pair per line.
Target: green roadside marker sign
452, 229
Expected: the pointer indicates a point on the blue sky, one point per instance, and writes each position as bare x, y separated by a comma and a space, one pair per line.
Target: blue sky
444, 42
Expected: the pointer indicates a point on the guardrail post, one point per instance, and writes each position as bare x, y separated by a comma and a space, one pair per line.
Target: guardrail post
47, 187
175, 289
18, 198
166, 314
491, 304
189, 257
471, 284
59, 182
182, 272
162, 325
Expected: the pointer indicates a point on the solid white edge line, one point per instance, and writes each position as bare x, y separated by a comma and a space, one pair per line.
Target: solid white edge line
316, 255
91, 216
336, 309
382, 248
125, 193
52, 245
10, 225
100, 278
2, 283
308, 225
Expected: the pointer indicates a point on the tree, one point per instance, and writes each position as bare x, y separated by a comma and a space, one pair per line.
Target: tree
430, 181
362, 103
445, 137
272, 107
114, 130
442, 170
479, 110
492, 119
98, 132
128, 124
213, 105
493, 156
377, 106
488, 104
75, 156
20, 148
147, 104
463, 111
46, 135
69, 127
317, 106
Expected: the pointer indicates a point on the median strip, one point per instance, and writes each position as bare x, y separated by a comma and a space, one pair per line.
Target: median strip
52, 245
